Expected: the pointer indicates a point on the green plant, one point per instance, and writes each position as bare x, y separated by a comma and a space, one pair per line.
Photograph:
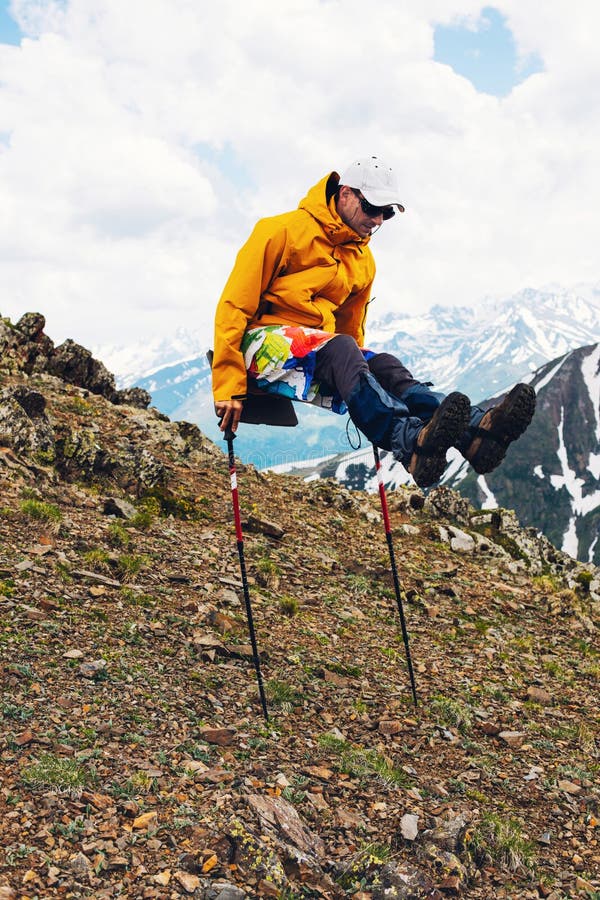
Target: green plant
288, 605
356, 870
118, 536
584, 579
7, 588
45, 457
97, 559
80, 407
131, 564
72, 830
55, 771
41, 511
362, 763
452, 712
15, 711
279, 693
500, 840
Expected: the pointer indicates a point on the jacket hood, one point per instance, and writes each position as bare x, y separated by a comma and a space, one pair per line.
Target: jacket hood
320, 204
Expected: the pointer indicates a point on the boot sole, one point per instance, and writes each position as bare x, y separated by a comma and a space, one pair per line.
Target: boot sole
510, 419
446, 427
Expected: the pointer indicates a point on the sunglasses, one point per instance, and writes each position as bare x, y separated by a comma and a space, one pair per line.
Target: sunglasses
387, 212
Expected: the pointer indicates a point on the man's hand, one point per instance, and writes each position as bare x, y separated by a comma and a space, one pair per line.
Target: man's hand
229, 411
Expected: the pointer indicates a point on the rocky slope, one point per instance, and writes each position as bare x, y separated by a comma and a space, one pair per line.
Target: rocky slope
134, 759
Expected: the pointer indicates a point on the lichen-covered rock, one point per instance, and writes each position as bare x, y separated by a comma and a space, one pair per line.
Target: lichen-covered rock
149, 471
401, 881
79, 454
24, 425
76, 365
24, 346
447, 504
134, 396
453, 834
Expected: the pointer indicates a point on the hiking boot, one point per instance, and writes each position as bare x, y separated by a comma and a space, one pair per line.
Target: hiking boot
448, 423
499, 427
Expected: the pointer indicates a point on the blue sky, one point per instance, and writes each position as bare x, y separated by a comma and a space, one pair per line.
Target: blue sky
485, 53
9, 31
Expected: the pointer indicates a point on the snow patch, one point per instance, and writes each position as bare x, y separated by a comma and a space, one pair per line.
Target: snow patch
570, 542
490, 501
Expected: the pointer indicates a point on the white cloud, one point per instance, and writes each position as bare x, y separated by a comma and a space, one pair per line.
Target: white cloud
144, 139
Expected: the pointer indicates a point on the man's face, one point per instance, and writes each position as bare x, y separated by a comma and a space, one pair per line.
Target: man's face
350, 209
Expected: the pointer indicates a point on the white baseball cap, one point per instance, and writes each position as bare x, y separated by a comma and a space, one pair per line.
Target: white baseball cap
375, 180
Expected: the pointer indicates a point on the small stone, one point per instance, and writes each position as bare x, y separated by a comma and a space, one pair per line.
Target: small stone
80, 864
539, 695
220, 736
210, 863
390, 727
115, 506
73, 654
450, 885
92, 669
188, 882
263, 527
163, 878
490, 728
569, 787
145, 820
409, 827
268, 889
227, 891
513, 738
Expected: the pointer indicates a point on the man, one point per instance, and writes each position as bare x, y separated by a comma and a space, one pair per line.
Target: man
291, 319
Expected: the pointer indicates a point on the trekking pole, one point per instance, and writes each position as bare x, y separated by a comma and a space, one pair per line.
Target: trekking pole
229, 437
388, 534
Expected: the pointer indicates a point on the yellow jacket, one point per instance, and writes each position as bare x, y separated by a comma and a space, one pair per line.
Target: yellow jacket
304, 267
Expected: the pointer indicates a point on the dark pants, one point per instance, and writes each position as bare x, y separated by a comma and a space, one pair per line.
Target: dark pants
340, 364
384, 400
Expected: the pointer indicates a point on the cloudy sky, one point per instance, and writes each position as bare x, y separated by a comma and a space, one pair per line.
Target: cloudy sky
141, 139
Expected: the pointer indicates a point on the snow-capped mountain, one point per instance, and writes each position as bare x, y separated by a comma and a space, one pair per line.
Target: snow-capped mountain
478, 351
481, 352
135, 362
550, 477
